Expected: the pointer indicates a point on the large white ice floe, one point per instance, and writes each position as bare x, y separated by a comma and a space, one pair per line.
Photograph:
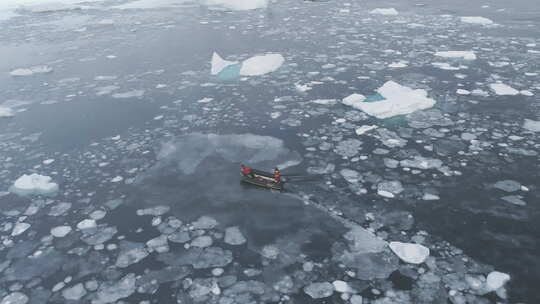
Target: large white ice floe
6, 112
34, 184
218, 64
476, 20
384, 11
467, 55
261, 64
410, 252
399, 100
38, 69
531, 125
60, 231
496, 280
503, 89
238, 4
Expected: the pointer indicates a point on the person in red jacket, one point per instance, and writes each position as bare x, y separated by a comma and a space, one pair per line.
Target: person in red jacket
277, 175
246, 171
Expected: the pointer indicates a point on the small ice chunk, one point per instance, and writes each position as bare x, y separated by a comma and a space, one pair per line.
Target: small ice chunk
110, 292
507, 185
531, 125
48, 161
15, 298
205, 100
384, 11
503, 89
353, 100
19, 228
6, 112
342, 286
38, 69
117, 179
466, 55
399, 100
239, 5
60, 231
397, 65
496, 280
364, 129
129, 94
409, 252
75, 292
218, 64
476, 20
319, 290
261, 64
86, 224
205, 222
34, 184
202, 241
233, 236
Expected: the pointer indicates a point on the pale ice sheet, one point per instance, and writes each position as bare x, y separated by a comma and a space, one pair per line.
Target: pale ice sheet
261, 64
399, 100
34, 184
467, 55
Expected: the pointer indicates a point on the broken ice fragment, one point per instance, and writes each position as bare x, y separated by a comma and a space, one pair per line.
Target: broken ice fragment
6, 112
34, 184
204, 222
86, 224
531, 125
233, 236
60, 231
384, 11
15, 298
399, 100
218, 64
319, 290
39, 69
496, 280
507, 185
75, 292
262, 64
466, 55
238, 4
503, 89
353, 100
410, 252
19, 228
476, 20
364, 129
110, 292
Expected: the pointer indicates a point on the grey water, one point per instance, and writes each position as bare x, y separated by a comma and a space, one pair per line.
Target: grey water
119, 115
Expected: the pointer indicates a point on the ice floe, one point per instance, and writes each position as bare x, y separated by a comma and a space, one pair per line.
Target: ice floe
476, 20
238, 4
398, 100
409, 252
261, 64
233, 236
466, 55
6, 112
503, 89
34, 184
496, 280
15, 298
384, 11
319, 290
531, 125
364, 129
218, 64
38, 69
60, 231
